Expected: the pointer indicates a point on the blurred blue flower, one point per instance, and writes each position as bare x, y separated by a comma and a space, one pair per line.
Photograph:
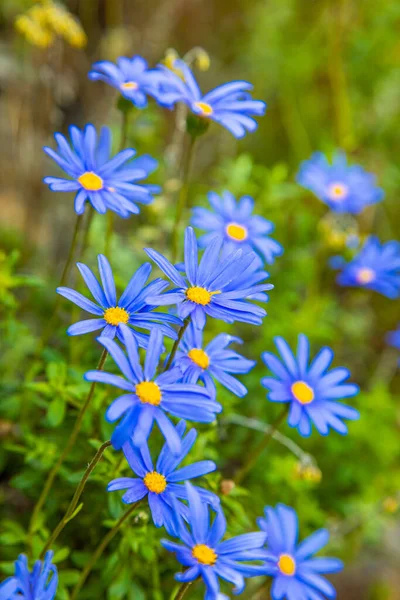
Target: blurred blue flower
206, 556
131, 308
131, 77
205, 292
230, 105
376, 267
106, 183
41, 584
215, 361
297, 575
344, 188
393, 338
310, 390
236, 224
150, 396
161, 484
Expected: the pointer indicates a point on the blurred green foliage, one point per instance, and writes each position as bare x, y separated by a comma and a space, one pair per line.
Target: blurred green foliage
329, 71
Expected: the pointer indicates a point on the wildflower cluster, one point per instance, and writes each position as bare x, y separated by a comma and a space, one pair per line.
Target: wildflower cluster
43, 23
222, 277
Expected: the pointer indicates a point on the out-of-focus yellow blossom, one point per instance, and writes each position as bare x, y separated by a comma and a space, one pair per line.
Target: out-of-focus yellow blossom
308, 472
42, 23
196, 56
391, 505
338, 232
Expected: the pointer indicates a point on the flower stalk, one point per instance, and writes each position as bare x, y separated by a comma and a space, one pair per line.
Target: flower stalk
72, 509
100, 549
54, 471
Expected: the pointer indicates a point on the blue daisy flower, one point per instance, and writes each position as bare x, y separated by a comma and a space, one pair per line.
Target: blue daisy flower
204, 290
236, 224
215, 361
106, 183
310, 390
230, 105
344, 188
132, 307
41, 584
162, 483
297, 575
376, 267
150, 396
131, 77
206, 556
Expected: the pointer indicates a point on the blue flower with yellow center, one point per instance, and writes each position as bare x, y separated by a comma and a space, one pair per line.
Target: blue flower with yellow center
162, 483
40, 584
235, 223
230, 105
296, 573
107, 183
376, 267
131, 77
131, 309
150, 396
211, 287
214, 361
311, 392
344, 188
205, 556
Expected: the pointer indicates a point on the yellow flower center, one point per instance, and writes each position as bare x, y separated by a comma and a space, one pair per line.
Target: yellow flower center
199, 357
155, 482
365, 275
90, 181
302, 392
199, 295
129, 85
287, 565
237, 232
338, 191
116, 315
148, 392
205, 108
204, 554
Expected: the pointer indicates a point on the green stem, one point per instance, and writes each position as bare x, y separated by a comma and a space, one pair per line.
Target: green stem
183, 194
68, 264
100, 549
54, 471
74, 502
182, 590
86, 231
64, 278
177, 342
110, 214
255, 455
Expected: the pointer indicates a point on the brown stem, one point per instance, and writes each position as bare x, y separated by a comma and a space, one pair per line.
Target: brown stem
177, 342
182, 590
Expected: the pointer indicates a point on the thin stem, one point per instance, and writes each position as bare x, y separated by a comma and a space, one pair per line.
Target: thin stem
74, 502
183, 194
68, 264
53, 473
182, 590
110, 214
177, 342
255, 455
100, 549
64, 278
86, 230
